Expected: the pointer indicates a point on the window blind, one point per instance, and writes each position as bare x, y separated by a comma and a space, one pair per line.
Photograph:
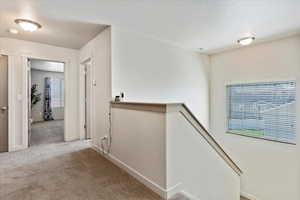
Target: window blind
57, 93
263, 110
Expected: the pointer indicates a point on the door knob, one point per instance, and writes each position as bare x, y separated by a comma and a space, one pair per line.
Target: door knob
4, 108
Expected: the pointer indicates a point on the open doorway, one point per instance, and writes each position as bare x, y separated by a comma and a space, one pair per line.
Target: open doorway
46, 102
87, 98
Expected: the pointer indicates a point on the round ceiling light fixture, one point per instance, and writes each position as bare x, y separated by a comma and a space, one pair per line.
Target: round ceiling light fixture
13, 31
28, 25
246, 40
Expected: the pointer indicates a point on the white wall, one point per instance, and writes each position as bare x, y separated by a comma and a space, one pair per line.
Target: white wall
99, 51
139, 144
148, 70
271, 169
38, 77
17, 50
192, 162
166, 153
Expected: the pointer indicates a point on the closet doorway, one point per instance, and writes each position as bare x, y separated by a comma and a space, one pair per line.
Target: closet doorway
87, 98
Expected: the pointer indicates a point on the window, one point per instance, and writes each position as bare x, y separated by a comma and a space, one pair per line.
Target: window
263, 110
57, 93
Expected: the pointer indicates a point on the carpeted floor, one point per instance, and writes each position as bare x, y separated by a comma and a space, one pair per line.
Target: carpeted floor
66, 171
47, 132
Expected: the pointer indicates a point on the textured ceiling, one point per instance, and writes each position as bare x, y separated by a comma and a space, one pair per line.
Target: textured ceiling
59, 32
208, 24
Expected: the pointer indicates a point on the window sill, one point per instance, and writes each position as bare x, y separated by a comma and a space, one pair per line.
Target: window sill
258, 138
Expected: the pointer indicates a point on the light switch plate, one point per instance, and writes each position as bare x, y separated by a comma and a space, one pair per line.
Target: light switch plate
19, 97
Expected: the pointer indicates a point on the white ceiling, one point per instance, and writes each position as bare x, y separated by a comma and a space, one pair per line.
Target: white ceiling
208, 24
58, 32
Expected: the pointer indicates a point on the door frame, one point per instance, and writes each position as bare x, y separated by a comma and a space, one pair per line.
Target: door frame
82, 92
25, 90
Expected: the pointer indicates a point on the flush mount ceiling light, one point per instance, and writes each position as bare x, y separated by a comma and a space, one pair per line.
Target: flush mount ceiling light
246, 40
28, 25
13, 31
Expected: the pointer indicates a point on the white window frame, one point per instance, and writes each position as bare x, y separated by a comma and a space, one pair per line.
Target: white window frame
232, 83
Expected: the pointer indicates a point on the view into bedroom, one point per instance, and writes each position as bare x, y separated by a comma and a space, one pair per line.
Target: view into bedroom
46, 116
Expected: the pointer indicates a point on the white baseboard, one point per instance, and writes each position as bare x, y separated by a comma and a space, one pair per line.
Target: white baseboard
17, 148
248, 196
171, 191
188, 195
164, 193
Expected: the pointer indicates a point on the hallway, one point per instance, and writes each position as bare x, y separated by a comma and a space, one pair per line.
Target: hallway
47, 132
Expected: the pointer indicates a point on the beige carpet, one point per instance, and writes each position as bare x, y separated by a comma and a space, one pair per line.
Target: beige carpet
47, 132
67, 171
72, 171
